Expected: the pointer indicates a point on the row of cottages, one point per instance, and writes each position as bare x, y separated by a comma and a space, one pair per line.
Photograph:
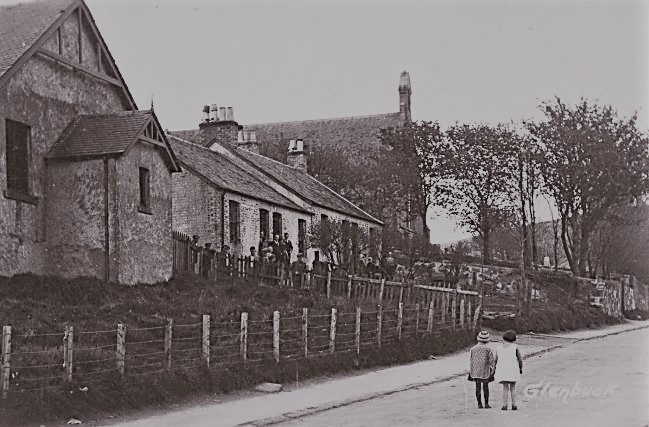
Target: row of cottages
352, 137
85, 176
229, 194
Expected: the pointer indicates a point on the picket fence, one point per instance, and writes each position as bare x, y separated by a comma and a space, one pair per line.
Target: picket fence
40, 361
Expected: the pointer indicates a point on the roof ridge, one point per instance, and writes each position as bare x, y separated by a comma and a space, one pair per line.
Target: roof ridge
367, 116
331, 190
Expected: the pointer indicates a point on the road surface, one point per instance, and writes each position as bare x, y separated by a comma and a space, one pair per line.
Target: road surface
600, 382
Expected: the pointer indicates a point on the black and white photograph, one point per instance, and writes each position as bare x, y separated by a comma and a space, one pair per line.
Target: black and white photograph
384, 213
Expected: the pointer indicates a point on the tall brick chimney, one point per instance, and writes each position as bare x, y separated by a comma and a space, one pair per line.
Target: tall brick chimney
247, 139
296, 156
218, 128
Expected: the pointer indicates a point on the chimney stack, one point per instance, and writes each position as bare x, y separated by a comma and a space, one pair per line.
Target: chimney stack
296, 156
247, 140
218, 127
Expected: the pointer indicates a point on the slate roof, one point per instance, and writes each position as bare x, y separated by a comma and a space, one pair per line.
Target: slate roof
354, 132
22, 24
305, 185
226, 174
99, 135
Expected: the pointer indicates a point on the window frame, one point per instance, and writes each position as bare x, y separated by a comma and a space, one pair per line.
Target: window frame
144, 180
264, 221
23, 194
301, 236
277, 219
234, 220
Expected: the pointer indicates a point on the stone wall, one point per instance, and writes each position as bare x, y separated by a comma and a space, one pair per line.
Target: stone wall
75, 219
145, 240
46, 97
197, 208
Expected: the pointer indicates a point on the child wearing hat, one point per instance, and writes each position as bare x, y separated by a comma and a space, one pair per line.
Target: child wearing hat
482, 365
509, 364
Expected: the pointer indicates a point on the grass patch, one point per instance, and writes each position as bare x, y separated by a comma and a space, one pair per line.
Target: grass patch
35, 305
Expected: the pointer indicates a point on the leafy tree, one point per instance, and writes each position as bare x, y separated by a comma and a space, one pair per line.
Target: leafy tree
473, 176
592, 162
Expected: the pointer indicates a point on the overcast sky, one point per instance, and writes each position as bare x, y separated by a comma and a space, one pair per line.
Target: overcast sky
469, 61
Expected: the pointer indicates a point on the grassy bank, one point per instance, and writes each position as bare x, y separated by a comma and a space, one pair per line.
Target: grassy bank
36, 305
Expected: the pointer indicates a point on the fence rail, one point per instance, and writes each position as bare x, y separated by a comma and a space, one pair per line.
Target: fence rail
32, 361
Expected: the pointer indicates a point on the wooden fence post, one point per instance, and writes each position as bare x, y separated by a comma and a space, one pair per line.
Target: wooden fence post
243, 337
206, 340
332, 331
399, 320
417, 309
276, 335
453, 309
476, 317
120, 349
305, 331
69, 346
349, 286
6, 359
329, 284
168, 338
400, 294
379, 324
468, 312
381, 291
444, 297
431, 313
357, 332
462, 312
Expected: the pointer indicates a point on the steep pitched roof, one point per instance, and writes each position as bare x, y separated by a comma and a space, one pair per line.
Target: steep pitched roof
305, 185
348, 132
25, 27
22, 24
225, 174
99, 135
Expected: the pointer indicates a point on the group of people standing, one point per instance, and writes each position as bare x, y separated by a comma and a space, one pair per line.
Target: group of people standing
504, 366
277, 250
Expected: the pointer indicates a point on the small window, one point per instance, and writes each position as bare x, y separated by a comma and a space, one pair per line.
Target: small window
277, 224
145, 191
301, 236
18, 137
263, 224
235, 215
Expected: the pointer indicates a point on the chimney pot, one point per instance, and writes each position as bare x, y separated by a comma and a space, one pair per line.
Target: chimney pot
253, 136
222, 113
291, 145
240, 136
230, 116
299, 145
214, 112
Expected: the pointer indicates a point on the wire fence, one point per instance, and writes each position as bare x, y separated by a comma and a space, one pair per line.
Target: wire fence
38, 361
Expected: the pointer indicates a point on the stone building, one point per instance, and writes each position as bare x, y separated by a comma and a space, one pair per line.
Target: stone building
228, 194
352, 136
85, 177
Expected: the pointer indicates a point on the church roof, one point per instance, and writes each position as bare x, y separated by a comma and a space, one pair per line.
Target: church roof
351, 133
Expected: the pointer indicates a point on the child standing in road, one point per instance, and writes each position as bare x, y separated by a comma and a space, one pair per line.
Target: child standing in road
509, 367
482, 364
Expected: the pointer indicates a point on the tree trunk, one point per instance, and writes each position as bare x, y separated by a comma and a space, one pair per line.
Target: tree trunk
566, 246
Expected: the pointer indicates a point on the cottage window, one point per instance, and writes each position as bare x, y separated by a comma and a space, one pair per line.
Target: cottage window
263, 224
18, 136
235, 221
277, 224
301, 236
145, 191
